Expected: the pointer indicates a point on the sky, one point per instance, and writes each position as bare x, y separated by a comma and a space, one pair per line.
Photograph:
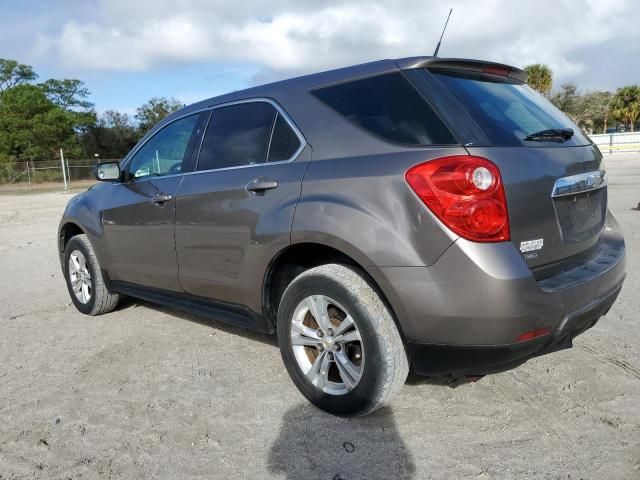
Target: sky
127, 51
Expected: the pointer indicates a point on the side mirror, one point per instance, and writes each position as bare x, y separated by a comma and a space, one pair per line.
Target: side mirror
107, 172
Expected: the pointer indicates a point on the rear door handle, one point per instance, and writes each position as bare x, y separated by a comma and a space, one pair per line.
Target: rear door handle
260, 185
161, 199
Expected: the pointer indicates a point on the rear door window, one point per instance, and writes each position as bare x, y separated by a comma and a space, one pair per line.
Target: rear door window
237, 135
390, 107
506, 109
246, 134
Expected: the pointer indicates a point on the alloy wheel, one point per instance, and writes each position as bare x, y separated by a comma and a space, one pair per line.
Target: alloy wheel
327, 345
80, 277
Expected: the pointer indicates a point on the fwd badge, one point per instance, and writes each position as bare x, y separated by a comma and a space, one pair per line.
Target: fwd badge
530, 246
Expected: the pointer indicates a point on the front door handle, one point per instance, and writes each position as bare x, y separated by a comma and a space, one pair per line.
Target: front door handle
260, 185
161, 199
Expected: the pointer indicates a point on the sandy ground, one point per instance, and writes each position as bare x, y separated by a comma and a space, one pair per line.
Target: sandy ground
145, 392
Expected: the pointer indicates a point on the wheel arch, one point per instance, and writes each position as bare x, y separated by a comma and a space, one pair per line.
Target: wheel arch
70, 228
67, 231
299, 257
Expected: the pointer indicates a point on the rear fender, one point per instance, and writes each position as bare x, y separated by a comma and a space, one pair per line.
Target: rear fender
363, 207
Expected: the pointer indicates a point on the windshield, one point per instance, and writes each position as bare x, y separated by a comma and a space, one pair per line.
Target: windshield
509, 112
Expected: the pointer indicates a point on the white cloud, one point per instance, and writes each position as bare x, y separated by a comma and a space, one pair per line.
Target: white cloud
286, 37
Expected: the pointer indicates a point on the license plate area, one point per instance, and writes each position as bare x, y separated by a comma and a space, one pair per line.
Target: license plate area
581, 216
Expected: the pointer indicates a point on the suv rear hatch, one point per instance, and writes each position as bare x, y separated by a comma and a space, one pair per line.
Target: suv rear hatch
552, 173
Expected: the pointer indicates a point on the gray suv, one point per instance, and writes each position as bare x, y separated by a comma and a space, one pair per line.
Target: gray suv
424, 213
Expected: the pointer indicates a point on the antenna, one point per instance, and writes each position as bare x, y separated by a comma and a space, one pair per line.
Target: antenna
435, 54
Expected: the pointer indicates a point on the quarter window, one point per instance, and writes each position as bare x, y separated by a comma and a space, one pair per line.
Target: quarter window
389, 107
164, 152
284, 141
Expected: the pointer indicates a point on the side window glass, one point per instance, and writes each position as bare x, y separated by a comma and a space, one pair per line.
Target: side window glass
164, 152
284, 141
237, 135
390, 107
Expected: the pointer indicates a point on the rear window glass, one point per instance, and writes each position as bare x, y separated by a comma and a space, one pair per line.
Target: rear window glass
507, 109
389, 107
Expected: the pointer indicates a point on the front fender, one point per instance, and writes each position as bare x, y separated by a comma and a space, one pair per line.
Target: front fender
83, 212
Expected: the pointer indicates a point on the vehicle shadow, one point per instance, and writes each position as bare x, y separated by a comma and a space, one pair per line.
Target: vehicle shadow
442, 381
129, 302
314, 444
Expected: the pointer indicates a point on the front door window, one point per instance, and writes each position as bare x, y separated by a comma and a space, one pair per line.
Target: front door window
164, 152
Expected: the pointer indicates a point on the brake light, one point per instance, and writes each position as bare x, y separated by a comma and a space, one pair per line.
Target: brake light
502, 72
466, 193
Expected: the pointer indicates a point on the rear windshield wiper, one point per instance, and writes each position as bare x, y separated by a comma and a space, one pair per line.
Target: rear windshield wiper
551, 135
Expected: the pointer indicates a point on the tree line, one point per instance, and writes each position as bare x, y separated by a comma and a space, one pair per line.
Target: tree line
37, 119
598, 111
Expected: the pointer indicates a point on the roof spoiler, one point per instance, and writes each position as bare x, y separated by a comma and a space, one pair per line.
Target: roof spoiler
463, 64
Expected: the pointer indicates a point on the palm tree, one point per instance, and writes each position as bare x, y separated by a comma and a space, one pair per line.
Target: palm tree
539, 77
625, 105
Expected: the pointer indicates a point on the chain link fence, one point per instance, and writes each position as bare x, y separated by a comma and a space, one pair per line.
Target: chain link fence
47, 175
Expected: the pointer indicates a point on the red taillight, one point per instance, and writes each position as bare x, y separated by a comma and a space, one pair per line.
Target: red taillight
466, 193
533, 334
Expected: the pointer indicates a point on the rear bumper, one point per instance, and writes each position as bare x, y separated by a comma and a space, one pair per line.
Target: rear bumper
434, 359
463, 314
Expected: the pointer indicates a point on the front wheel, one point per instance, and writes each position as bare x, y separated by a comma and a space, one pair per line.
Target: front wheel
339, 342
84, 279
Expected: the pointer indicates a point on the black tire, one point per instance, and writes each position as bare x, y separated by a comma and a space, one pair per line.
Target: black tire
385, 364
101, 299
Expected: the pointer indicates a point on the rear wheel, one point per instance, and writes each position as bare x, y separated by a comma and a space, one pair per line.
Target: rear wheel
339, 342
84, 278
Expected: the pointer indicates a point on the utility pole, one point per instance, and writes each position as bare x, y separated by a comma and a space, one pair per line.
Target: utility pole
64, 172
